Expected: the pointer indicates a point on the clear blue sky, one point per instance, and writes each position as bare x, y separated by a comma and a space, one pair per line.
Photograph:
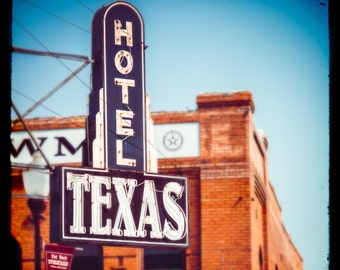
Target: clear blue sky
278, 50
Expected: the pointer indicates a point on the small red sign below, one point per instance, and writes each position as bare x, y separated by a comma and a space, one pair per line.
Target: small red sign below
58, 257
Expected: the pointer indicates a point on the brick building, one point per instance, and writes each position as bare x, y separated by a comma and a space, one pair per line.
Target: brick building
234, 216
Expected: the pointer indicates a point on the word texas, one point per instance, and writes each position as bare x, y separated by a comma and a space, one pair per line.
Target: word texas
112, 206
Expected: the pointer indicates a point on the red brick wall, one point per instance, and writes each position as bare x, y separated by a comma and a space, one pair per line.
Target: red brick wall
233, 210
236, 218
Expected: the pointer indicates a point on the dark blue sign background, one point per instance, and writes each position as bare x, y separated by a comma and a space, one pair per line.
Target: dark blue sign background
63, 213
157, 203
104, 73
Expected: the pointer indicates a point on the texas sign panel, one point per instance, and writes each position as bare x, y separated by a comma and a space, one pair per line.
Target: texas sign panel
113, 207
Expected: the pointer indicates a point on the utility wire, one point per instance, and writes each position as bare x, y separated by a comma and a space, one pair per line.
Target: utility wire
56, 16
83, 29
85, 6
61, 62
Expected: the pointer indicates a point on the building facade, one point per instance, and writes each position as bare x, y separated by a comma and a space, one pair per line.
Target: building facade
234, 216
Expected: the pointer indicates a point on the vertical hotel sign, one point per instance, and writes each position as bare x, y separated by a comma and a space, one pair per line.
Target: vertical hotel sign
116, 122
112, 199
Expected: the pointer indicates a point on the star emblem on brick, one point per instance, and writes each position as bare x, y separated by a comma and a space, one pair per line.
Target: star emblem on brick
173, 140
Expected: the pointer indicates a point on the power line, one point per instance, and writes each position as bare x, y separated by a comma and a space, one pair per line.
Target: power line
85, 6
33, 36
48, 53
56, 16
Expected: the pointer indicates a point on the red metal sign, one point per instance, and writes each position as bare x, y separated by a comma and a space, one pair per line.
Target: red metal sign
58, 257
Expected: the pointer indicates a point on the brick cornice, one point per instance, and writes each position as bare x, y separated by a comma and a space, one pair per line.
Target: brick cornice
47, 123
240, 99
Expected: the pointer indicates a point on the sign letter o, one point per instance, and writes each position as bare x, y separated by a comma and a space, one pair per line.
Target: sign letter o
119, 60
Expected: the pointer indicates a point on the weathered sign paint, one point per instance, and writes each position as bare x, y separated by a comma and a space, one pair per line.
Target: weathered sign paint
119, 207
117, 114
112, 200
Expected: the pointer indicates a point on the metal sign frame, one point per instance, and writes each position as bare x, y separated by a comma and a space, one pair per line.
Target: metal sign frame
116, 123
112, 207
